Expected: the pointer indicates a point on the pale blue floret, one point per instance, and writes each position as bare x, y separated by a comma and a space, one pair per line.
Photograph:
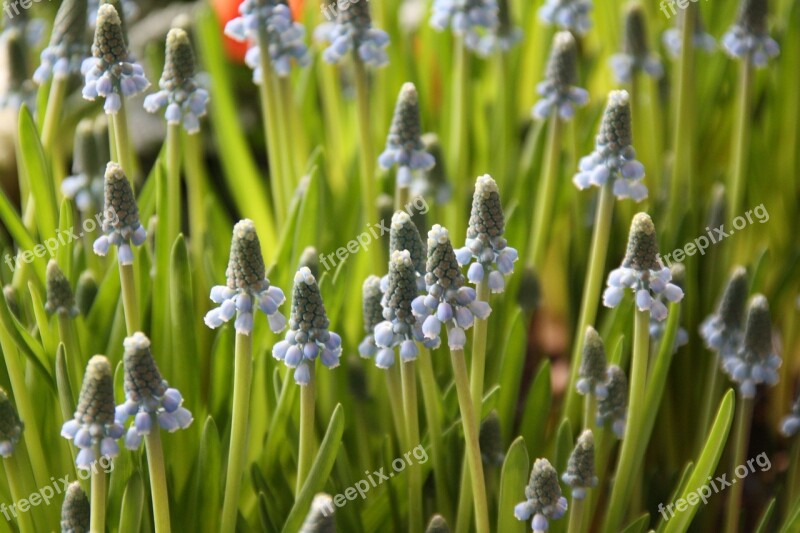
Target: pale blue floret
112, 81
646, 285
85, 190
570, 15
86, 436
700, 40
791, 422
182, 107
562, 100
758, 47
60, 62
472, 19
625, 65
353, 32
265, 297
285, 37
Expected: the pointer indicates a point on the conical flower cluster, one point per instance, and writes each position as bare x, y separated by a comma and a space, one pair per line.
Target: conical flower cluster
60, 298
468, 18
571, 15
502, 38
559, 91
147, 395
121, 225
642, 271
353, 31
544, 500
185, 101
593, 366
373, 314
75, 511
10, 426
580, 474
404, 235
485, 245
247, 286
308, 335
723, 330
68, 47
749, 38
636, 55
85, 185
19, 90
614, 407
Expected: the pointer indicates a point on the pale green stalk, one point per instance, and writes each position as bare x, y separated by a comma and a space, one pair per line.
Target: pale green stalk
158, 478
130, 303
173, 221
473, 452
576, 516
744, 416
305, 454
624, 475
14, 476
120, 139
542, 213
396, 403
97, 521
67, 335
237, 452
741, 139
589, 409
458, 129
52, 114
591, 291
409, 381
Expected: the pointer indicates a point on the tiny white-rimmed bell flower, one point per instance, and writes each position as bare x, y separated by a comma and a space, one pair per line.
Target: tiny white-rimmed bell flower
791, 422
472, 19
580, 474
658, 327
559, 91
11, 426
353, 32
571, 15
614, 406
544, 500
749, 38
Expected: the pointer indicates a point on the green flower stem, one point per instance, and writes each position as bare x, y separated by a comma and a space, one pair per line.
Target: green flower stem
401, 198
459, 139
298, 149
395, 402
591, 291
433, 416
368, 195
67, 335
710, 400
744, 416
52, 114
638, 375
741, 139
121, 141
305, 455
158, 478
589, 408
15, 484
576, 516
237, 452
173, 222
408, 377
473, 452
130, 303
196, 191
542, 213
504, 117
97, 521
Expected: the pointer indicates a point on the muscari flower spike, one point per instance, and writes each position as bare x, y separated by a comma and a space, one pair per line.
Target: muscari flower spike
110, 73
614, 406
84, 185
433, 182
308, 335
485, 245
755, 362
400, 328
404, 235
642, 271
580, 473
247, 286
490, 440
636, 55
94, 423
672, 38
147, 394
353, 31
593, 365
472, 19
544, 500
19, 89
404, 146
121, 224
722, 331
448, 301
10, 426
748, 38
75, 511
657, 327
571, 15
373, 314
614, 156
437, 525
791, 422
185, 101
558, 90
60, 298
67, 49
272, 20
17, 18
321, 515
505, 35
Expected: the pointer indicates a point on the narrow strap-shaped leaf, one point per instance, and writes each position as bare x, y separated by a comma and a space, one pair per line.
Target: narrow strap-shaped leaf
513, 478
639, 525
33, 163
130, 518
537, 411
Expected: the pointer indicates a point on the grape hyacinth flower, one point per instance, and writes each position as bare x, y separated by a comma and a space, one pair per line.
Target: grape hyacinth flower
643, 272
671, 38
493, 258
470, 18
10, 426
448, 300
636, 55
247, 286
580, 473
755, 362
404, 146
19, 90
110, 73
147, 394
434, 181
17, 18
558, 90
503, 38
121, 224
571, 15
748, 38
373, 314
308, 335
353, 31
272, 21
185, 101
614, 406
83, 186
321, 517
657, 328
614, 156
722, 331
75, 511
544, 500
404, 235
400, 328
490, 439
68, 47
94, 424
60, 298
593, 366
791, 422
